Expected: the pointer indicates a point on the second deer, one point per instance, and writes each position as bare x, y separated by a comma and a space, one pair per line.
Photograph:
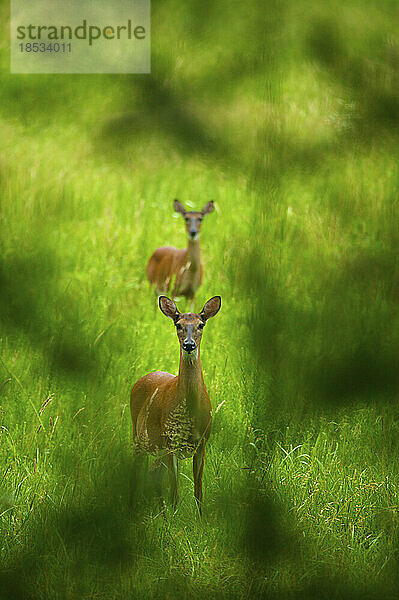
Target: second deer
185, 264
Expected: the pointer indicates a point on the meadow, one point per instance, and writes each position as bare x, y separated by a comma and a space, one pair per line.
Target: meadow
286, 114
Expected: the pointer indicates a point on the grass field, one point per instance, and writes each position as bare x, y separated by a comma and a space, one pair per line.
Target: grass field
286, 114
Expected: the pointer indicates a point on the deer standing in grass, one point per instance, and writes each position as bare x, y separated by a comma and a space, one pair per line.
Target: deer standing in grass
185, 265
172, 415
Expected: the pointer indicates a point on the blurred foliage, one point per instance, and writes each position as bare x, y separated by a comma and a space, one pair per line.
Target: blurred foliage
287, 115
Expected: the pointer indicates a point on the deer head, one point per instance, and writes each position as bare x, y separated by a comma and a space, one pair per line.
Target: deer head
189, 326
193, 219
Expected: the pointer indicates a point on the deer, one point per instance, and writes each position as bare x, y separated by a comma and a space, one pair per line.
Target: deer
185, 264
172, 414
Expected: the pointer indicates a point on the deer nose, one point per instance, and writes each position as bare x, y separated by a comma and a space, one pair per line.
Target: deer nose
193, 232
188, 345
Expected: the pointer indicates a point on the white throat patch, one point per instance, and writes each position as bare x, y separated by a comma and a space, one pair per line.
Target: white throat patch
195, 238
190, 356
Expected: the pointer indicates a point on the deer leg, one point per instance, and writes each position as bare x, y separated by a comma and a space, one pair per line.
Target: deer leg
157, 472
198, 468
173, 468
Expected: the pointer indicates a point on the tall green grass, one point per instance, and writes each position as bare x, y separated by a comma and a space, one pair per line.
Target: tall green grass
286, 115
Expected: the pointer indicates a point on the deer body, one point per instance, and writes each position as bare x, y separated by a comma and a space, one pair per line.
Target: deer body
171, 415
184, 265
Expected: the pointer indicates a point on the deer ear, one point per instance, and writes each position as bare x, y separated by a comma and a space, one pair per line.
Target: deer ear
178, 206
211, 308
208, 208
168, 307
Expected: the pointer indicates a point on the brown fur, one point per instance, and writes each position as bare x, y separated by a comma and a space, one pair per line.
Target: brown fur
182, 265
172, 414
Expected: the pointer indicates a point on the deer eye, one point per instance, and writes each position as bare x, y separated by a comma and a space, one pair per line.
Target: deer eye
179, 327
201, 325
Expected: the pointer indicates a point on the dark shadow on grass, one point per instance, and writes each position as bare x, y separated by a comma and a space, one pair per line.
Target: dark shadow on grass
86, 544
370, 77
32, 303
341, 352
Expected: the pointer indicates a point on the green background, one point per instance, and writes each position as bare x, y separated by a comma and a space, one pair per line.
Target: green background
286, 114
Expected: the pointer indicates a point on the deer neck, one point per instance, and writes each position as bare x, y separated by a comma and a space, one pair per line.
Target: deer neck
193, 254
191, 382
